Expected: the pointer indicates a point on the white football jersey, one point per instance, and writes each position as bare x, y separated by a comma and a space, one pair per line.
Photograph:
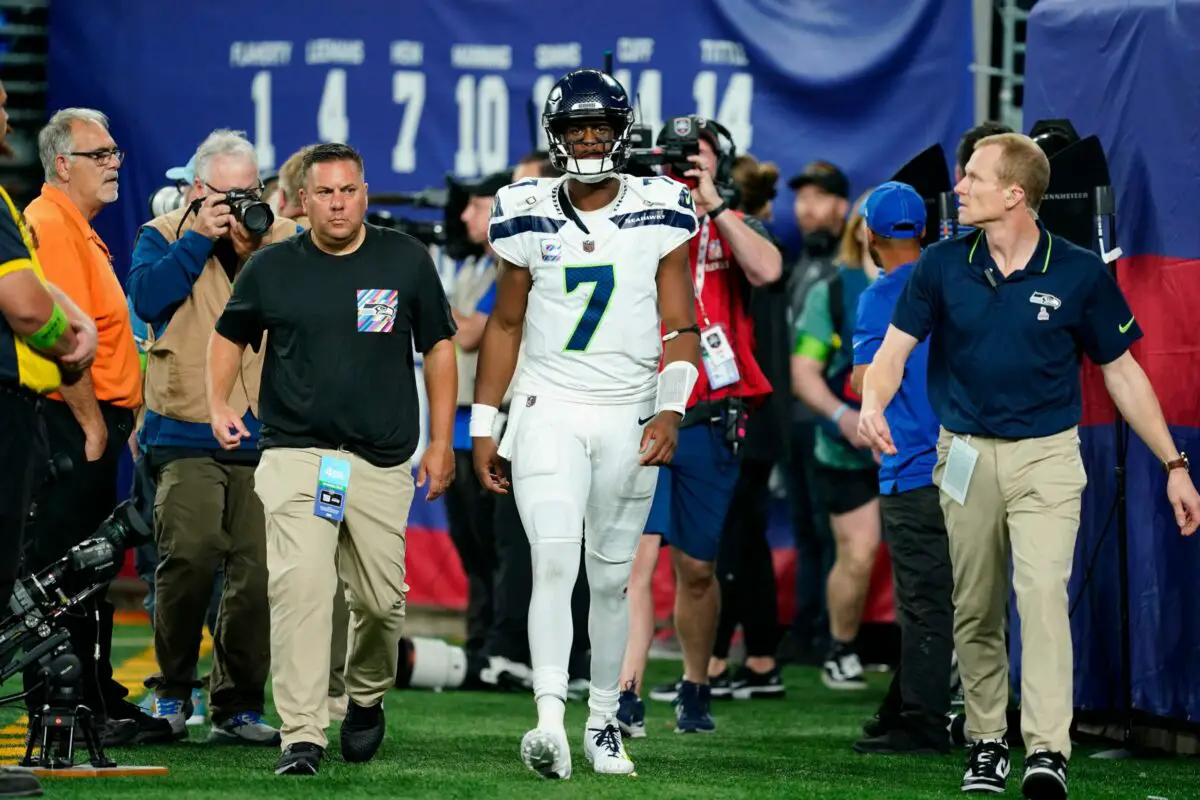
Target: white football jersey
592, 328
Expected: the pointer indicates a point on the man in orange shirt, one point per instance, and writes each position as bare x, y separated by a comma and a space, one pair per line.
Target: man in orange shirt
93, 418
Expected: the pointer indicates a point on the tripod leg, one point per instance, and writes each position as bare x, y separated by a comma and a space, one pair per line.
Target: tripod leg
92, 739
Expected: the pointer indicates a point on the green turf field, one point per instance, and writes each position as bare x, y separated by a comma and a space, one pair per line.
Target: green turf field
465, 745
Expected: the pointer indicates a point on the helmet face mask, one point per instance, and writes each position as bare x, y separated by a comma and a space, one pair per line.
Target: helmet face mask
578, 109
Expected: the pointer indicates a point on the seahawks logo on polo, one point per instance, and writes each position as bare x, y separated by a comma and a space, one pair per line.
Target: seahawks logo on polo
1046, 301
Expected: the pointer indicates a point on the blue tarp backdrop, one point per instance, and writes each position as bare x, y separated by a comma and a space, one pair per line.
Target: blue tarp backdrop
427, 87
1128, 73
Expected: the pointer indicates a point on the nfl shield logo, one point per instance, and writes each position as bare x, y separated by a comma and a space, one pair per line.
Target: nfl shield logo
682, 125
589, 246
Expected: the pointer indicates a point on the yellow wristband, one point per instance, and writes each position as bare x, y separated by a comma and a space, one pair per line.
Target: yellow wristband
51, 332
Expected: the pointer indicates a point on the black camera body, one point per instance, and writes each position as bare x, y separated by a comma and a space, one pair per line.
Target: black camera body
255, 215
38, 600
678, 141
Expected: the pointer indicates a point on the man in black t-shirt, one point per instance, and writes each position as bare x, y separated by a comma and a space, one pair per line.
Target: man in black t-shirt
342, 307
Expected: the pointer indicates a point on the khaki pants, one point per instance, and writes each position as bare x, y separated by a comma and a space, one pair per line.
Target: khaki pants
206, 516
1025, 496
305, 555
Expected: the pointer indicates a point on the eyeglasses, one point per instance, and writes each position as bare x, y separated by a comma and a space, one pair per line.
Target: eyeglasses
103, 156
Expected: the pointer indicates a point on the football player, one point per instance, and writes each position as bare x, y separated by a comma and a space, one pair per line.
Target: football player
593, 267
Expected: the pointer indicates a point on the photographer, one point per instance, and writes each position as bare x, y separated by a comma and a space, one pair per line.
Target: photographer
91, 420
206, 512
730, 254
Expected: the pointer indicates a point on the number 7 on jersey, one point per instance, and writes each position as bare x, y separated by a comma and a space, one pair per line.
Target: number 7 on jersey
602, 278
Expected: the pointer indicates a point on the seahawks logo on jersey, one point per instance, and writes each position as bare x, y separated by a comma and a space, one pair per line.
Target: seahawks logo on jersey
685, 199
497, 210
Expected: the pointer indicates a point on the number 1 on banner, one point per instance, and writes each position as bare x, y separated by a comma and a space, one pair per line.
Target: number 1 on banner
260, 93
332, 123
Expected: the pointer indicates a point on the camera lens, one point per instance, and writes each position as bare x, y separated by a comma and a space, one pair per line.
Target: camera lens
166, 200
255, 215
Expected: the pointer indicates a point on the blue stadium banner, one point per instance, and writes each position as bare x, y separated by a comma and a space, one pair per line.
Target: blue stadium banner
429, 87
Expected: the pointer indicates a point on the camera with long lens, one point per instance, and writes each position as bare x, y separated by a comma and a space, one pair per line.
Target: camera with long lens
166, 199
31, 634
255, 215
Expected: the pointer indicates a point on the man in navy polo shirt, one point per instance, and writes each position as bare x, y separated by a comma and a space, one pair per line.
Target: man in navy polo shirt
913, 716
1008, 310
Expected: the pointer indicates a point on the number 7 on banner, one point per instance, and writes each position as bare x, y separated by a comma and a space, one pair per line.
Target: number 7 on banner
408, 88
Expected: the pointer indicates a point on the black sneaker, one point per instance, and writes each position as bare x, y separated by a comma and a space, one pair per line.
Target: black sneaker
720, 687
987, 767
881, 724
149, 730
301, 758
362, 731
746, 684
842, 669
693, 709
902, 741
19, 783
1045, 776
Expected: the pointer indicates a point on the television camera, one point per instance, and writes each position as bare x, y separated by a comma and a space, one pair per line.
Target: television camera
31, 634
678, 140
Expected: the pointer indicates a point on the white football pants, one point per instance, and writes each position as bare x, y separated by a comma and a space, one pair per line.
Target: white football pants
574, 470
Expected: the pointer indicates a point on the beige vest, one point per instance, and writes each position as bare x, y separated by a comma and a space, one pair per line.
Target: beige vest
470, 285
175, 361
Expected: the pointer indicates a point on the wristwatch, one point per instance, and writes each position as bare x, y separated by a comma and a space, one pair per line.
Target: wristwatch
1179, 463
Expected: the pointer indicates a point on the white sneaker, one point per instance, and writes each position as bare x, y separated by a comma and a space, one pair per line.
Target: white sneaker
199, 709
547, 753
174, 712
605, 749
248, 727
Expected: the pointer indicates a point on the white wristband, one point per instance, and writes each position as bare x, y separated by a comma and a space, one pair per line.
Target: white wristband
837, 415
675, 384
483, 420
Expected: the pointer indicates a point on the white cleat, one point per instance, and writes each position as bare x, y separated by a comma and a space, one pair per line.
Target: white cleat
605, 749
547, 753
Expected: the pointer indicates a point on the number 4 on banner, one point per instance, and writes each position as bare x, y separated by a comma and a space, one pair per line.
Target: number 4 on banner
332, 123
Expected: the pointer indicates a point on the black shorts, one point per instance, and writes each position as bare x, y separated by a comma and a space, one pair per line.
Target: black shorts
845, 490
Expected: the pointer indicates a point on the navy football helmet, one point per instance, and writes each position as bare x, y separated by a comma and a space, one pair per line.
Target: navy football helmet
588, 96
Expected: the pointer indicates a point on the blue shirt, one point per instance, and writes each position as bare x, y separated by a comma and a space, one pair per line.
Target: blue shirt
909, 415
160, 279
1004, 361
462, 417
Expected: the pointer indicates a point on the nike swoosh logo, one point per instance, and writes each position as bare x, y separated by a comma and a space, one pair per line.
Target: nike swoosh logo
1126, 326
644, 421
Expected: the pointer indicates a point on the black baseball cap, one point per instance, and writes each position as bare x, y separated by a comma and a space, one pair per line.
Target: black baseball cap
824, 176
488, 185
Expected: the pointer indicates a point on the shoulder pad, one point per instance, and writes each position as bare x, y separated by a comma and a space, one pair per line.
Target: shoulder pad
660, 191
530, 196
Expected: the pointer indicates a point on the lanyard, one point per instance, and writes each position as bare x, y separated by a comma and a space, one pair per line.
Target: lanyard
701, 264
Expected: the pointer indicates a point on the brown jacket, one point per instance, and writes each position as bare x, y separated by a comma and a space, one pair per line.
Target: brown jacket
175, 361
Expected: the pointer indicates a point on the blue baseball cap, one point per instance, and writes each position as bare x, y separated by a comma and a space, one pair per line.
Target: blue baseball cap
186, 173
895, 210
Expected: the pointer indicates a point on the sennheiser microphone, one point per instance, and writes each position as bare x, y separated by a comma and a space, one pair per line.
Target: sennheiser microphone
991, 278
